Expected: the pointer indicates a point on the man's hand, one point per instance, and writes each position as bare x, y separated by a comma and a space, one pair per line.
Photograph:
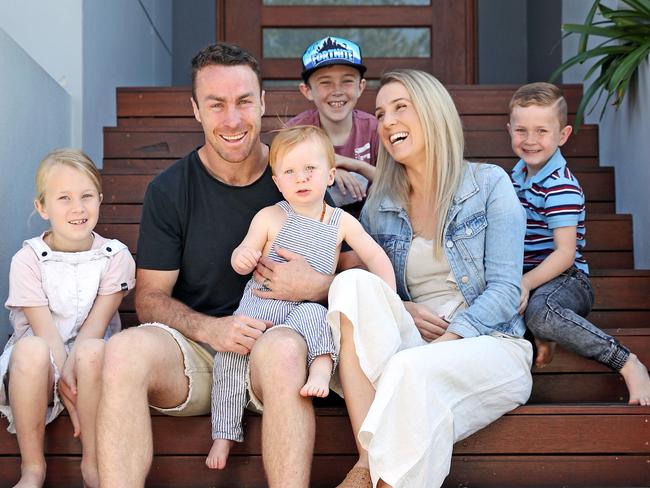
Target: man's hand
346, 182
236, 333
294, 280
429, 324
245, 259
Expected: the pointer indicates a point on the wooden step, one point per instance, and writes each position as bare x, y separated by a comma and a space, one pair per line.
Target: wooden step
600, 249
627, 428
273, 121
175, 101
598, 438
481, 145
128, 187
567, 471
601, 318
621, 300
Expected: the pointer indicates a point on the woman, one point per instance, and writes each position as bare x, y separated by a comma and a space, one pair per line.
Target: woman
425, 369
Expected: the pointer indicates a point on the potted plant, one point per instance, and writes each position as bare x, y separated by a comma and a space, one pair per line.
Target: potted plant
626, 44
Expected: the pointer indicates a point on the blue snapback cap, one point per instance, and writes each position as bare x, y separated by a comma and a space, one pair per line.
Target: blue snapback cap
328, 51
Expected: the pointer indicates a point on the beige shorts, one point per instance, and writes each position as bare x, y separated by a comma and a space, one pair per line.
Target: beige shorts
197, 362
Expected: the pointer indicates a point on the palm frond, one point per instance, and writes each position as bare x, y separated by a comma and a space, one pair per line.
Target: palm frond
626, 44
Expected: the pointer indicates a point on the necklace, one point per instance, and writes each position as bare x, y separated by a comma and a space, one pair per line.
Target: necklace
322, 214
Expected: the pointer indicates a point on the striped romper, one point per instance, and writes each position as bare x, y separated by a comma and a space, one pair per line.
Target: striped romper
317, 242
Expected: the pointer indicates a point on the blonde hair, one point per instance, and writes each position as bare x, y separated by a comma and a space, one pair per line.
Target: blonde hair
444, 148
73, 158
542, 94
289, 137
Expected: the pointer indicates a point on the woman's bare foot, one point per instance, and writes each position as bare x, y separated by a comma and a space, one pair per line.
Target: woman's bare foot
318, 381
89, 474
637, 380
218, 454
31, 476
545, 352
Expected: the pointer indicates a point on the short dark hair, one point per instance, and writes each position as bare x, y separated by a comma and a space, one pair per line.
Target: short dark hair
223, 54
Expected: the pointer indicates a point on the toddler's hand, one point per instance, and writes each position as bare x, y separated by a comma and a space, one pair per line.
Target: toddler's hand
245, 259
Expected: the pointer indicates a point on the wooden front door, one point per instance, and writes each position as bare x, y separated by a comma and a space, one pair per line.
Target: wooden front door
437, 36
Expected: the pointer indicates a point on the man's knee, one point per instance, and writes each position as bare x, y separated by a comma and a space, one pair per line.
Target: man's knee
128, 356
279, 359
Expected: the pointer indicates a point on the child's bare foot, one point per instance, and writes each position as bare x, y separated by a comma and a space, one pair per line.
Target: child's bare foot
637, 380
318, 381
545, 352
31, 476
218, 454
89, 474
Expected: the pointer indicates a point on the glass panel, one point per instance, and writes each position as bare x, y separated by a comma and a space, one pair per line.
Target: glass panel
375, 42
345, 2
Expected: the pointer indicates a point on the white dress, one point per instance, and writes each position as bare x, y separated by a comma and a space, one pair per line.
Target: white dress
428, 396
67, 283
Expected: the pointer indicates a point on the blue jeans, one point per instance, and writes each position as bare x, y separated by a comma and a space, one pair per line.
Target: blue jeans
556, 312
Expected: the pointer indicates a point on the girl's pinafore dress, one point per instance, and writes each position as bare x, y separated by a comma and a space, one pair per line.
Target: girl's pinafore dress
70, 282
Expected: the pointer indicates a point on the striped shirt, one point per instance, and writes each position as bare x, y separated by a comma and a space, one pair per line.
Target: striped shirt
552, 198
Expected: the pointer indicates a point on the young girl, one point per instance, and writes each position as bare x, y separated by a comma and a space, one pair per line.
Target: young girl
302, 160
64, 290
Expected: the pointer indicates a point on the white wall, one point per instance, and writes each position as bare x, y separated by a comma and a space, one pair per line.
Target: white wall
35, 117
90, 47
51, 33
625, 142
126, 43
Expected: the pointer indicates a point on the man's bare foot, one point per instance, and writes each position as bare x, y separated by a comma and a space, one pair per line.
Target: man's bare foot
637, 380
545, 352
89, 474
31, 476
318, 381
218, 454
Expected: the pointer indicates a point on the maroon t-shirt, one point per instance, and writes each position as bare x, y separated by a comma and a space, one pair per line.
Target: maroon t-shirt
363, 142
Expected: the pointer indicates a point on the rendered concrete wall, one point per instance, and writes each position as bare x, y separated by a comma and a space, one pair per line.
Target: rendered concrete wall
126, 43
35, 117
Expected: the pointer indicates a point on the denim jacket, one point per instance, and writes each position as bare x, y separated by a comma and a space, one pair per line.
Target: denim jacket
483, 242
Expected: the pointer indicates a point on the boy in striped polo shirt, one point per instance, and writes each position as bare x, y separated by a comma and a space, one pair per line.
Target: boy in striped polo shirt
556, 293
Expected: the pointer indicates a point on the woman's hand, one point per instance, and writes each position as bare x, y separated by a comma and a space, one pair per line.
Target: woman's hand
430, 325
523, 298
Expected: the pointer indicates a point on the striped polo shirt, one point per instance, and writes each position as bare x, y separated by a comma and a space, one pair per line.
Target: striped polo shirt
552, 198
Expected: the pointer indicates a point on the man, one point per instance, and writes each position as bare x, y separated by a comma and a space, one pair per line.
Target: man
195, 213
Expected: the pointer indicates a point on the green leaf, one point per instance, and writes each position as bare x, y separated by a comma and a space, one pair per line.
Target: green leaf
625, 34
594, 31
582, 44
627, 67
591, 91
579, 58
641, 5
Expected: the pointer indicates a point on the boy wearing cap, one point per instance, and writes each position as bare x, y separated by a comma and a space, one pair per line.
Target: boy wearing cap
333, 79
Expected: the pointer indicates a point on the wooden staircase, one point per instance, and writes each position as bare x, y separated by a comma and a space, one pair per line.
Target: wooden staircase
576, 430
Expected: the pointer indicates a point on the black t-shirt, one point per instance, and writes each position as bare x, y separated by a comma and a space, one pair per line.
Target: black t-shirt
192, 222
